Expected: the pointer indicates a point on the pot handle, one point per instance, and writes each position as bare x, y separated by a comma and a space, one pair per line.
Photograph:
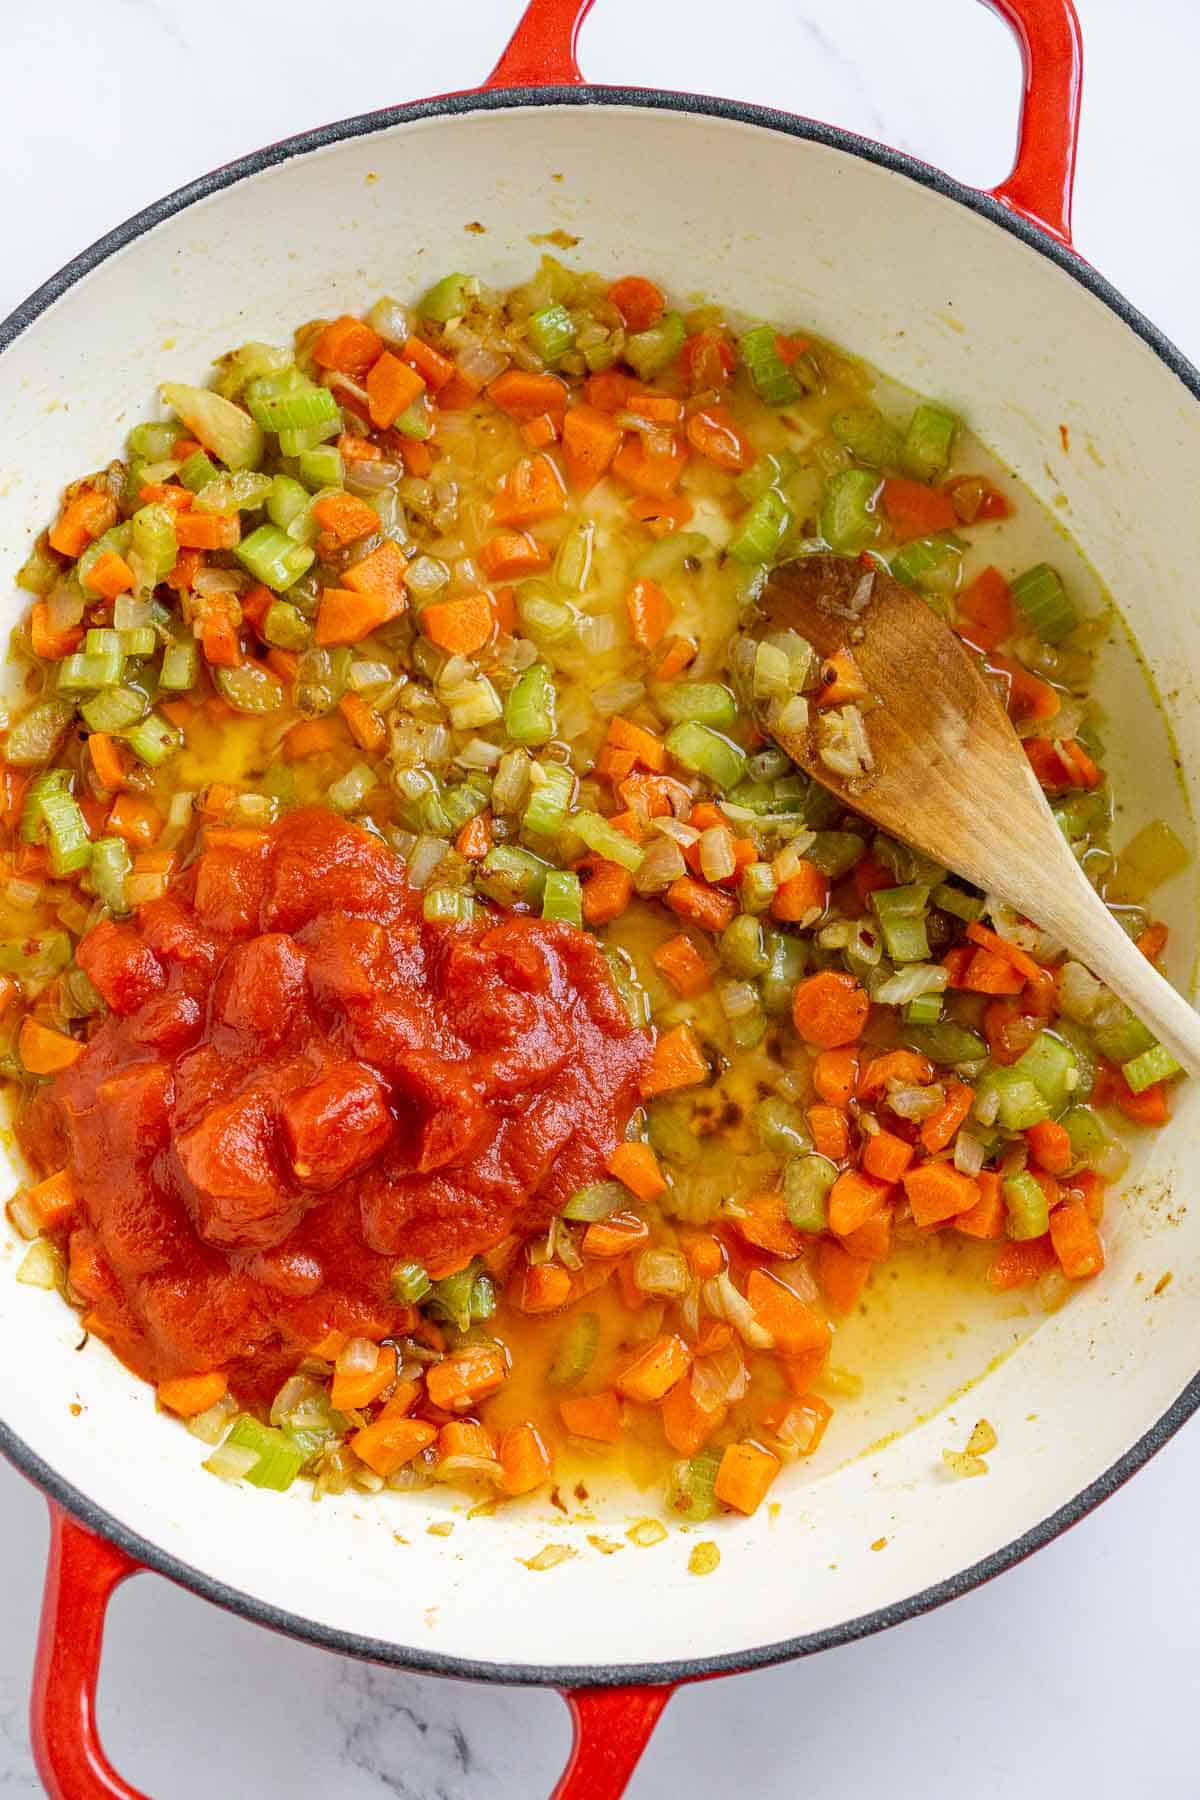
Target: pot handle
541, 53
612, 1728
82, 1573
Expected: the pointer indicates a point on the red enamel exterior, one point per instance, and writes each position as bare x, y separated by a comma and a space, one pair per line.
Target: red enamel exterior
612, 1725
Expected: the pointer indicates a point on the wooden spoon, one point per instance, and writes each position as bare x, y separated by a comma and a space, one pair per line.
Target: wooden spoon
948, 773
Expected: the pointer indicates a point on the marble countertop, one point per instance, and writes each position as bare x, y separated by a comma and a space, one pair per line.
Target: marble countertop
1075, 1673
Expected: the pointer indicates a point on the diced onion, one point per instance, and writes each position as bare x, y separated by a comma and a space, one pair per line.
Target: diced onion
970, 1154
617, 696
739, 999
478, 754
911, 982
791, 715
1080, 994
675, 829
358, 1357
724, 1302
717, 857
364, 476
427, 854
42, 1265
661, 1272
661, 865
791, 858
915, 1102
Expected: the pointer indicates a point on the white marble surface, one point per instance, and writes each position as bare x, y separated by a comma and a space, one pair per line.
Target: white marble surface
1074, 1674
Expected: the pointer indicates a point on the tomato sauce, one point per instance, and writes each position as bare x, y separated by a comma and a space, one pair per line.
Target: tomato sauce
301, 1082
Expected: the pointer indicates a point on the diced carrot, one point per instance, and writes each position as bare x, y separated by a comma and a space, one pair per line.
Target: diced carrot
310, 737
1076, 1241
654, 1372
346, 616
707, 360
637, 1167
989, 973
939, 1128
348, 344
48, 643
1026, 967
700, 904
464, 1437
475, 839
792, 1322
459, 392
352, 1389
541, 431
590, 440
647, 749
872, 1240
110, 760
869, 877
985, 610
676, 1061
835, 1075
55, 1199
110, 575
611, 390
640, 303
714, 435
1027, 697
392, 386
366, 725
762, 1220
1083, 772
614, 1236
135, 820
1153, 941
182, 577
166, 493
183, 447
391, 1442
842, 1277
679, 653
417, 457
914, 510
805, 892
1050, 1146
436, 369
706, 1256
937, 1192
545, 1287
745, 1475
358, 449
44, 1051
830, 1009
532, 491
504, 609
661, 514
1147, 1108
976, 500
853, 1199
687, 1426
466, 1376
841, 681
208, 531
188, 1395
512, 553
382, 572
789, 347
680, 963
346, 517
989, 1215
1019, 1263
460, 627
615, 764
525, 396
594, 1416
830, 1127
218, 634
179, 712
650, 613
886, 1156
654, 472
607, 890
87, 515
524, 1459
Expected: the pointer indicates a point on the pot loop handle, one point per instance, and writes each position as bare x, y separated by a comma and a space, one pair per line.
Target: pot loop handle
541, 53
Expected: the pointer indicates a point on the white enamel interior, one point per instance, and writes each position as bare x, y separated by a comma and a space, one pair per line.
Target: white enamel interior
943, 300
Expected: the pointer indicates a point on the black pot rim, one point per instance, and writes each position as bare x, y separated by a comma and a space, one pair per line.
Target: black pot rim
568, 1675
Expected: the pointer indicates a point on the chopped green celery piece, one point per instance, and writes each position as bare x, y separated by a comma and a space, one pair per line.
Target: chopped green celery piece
707, 702
66, 831
1121, 1036
448, 298
648, 353
902, 912
706, 753
670, 554
250, 689
772, 469
848, 518
102, 641
1151, 857
773, 381
110, 865
141, 642
551, 333
416, 421
929, 441
458, 1297
509, 874
762, 530
290, 402
432, 816
113, 709
232, 493
287, 501
691, 1487
223, 428
447, 906
588, 1205
562, 897
198, 471
349, 792
1028, 1209
599, 356
322, 467
153, 740
1084, 812
576, 1351
153, 441
835, 853
1021, 1102
1053, 1068
546, 620
743, 947
285, 626
43, 954
929, 563
604, 840
758, 887
546, 811
274, 558
628, 988
952, 900
81, 674
117, 539
1045, 603
473, 704
529, 711
946, 1042
788, 962
152, 541
462, 803
180, 666
39, 572
781, 1127
926, 1009
806, 1184
409, 1283
49, 781
821, 808
1155, 1064
669, 1129
295, 440
573, 564
905, 863
868, 437
277, 1458
748, 1029
755, 796
1090, 1136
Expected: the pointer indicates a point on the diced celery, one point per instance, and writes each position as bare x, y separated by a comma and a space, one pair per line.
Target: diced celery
648, 353
1020, 1103
743, 947
902, 912
706, 753
34, 957
835, 853
153, 541
546, 620
447, 298
926, 1009
273, 558
32, 819
447, 906
114, 709
606, 841
1119, 1035
286, 627
788, 962
762, 530
290, 402
546, 811
287, 501
806, 1184
416, 421
139, 643
1155, 1064
225, 429
510, 875
773, 381
628, 988
691, 1489
931, 564
529, 711
781, 1127
772, 469
81, 674
409, 1283
294, 440
758, 887
233, 493
277, 1459
947, 1043
462, 804
1091, 1140
460, 1299
38, 733
153, 441
250, 689
551, 334
562, 897
1052, 1067
39, 572
952, 900
153, 740
707, 702
180, 665
588, 1205
198, 471
868, 437
928, 442
576, 1350
66, 832
1028, 1209
848, 518
573, 564
322, 467
1045, 603
110, 865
